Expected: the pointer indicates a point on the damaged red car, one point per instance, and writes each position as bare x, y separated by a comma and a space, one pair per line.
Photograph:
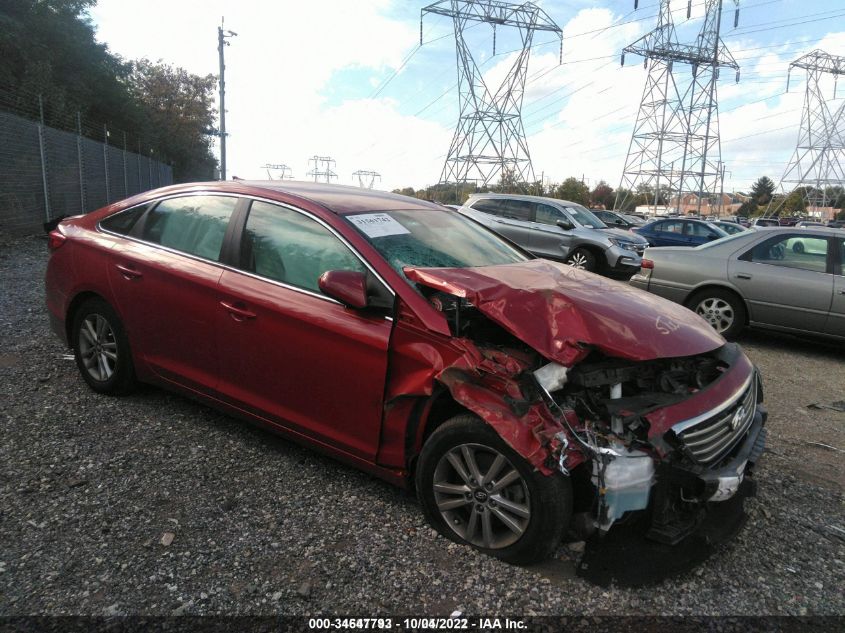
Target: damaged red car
519, 397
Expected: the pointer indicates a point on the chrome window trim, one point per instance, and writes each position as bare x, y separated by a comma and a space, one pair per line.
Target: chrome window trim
238, 270
727, 404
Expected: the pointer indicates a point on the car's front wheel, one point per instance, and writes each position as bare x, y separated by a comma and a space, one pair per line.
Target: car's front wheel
582, 259
101, 348
477, 491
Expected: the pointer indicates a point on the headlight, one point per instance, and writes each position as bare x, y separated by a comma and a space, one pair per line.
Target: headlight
628, 246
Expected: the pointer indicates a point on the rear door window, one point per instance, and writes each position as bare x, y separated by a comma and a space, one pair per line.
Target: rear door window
287, 246
669, 227
487, 205
791, 251
517, 210
191, 224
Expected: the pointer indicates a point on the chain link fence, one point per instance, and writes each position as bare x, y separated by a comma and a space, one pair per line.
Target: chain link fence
55, 164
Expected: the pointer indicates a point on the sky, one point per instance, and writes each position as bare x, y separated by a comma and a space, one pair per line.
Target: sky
350, 80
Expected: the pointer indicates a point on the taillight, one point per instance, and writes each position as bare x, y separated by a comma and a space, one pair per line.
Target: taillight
55, 239
647, 263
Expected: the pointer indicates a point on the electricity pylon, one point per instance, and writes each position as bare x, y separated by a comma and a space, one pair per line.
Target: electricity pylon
366, 176
676, 137
489, 140
286, 172
818, 162
326, 172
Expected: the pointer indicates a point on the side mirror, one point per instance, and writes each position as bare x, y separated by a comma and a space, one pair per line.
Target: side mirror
347, 286
566, 225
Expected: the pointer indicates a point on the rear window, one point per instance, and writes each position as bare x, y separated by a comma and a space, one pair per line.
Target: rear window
123, 221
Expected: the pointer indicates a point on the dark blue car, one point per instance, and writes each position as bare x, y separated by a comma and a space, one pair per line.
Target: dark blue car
679, 232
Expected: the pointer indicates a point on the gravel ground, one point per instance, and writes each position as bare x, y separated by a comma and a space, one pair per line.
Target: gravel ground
93, 489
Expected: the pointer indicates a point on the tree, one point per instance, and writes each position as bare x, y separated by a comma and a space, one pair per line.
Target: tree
573, 190
179, 108
625, 201
762, 190
602, 195
747, 208
49, 48
794, 203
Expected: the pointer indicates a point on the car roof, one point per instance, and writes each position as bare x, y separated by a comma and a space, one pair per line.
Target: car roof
342, 199
519, 196
339, 199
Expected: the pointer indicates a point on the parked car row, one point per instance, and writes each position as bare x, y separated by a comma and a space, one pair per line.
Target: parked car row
558, 230
410, 340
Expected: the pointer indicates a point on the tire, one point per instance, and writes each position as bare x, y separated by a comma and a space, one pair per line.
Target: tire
722, 309
582, 259
101, 348
521, 522
798, 247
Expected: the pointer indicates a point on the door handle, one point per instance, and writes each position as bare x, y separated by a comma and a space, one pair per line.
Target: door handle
842, 292
129, 273
239, 314
743, 276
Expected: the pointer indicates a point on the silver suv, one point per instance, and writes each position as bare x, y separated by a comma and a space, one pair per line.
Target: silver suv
558, 229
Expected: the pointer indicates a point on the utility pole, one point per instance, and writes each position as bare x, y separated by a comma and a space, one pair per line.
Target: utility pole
222, 36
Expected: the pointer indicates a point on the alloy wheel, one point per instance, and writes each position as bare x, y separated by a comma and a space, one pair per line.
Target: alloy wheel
578, 260
482, 496
717, 312
98, 347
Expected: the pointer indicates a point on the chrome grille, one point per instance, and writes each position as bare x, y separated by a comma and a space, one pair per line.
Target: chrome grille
710, 440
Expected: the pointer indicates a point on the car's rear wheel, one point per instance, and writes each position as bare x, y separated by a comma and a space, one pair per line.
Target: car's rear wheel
101, 348
582, 259
477, 491
722, 309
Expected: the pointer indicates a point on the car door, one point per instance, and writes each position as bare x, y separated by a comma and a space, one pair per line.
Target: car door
668, 233
165, 284
836, 319
549, 239
697, 234
786, 281
490, 212
290, 354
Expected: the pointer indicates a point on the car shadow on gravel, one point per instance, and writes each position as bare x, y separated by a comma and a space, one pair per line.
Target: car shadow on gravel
794, 344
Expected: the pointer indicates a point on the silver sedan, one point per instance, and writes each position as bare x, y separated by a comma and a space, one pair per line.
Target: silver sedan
785, 278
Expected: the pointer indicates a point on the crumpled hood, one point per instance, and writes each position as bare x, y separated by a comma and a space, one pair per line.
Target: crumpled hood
563, 312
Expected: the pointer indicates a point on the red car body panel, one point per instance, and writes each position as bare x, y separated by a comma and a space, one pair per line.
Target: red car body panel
373, 382
563, 312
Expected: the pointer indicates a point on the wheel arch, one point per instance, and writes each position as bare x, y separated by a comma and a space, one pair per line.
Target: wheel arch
437, 409
74, 305
594, 249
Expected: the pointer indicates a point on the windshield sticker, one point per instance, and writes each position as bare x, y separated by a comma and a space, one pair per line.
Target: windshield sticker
377, 225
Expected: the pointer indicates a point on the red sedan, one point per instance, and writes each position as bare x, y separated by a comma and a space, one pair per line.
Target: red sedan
401, 337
